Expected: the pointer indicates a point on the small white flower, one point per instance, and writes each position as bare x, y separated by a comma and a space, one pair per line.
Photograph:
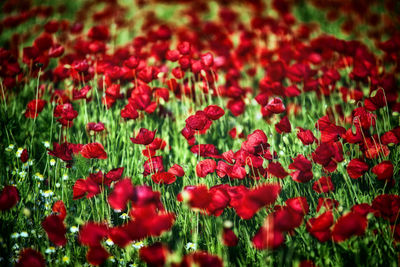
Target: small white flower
124, 216
109, 242
74, 229
19, 152
58, 185
15, 247
46, 144
281, 153
111, 258
10, 147
23, 234
38, 176
133, 265
14, 235
30, 162
47, 193
191, 246
52, 162
65, 177
138, 244
33, 232
22, 174
50, 250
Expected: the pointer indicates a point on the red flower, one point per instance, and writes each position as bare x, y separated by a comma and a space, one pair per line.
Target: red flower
383, 170
113, 175
177, 170
256, 142
323, 185
154, 255
283, 126
205, 150
91, 234
85, 186
163, 178
327, 203
123, 191
97, 127
144, 137
55, 229
30, 258
34, 107
96, 255
153, 165
198, 196
129, 112
214, 112
320, 227
9, 197
205, 167
93, 151
387, 206
254, 199
59, 209
356, 168
306, 136
268, 237
375, 102
328, 155
198, 121
276, 169
303, 169
349, 225
229, 237
275, 105
24, 156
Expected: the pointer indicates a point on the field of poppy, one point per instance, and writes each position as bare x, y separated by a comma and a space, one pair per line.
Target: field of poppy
199, 133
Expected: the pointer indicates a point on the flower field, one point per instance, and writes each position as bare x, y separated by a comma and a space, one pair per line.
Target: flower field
199, 133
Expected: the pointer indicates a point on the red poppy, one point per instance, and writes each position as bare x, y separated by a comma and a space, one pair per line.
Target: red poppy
93, 150
144, 137
163, 178
59, 209
283, 126
306, 136
97, 127
303, 169
96, 255
267, 236
327, 203
356, 168
123, 191
91, 234
323, 185
256, 142
30, 258
328, 155
198, 196
154, 255
275, 105
152, 165
276, 169
375, 102
387, 206
55, 229
319, 227
9, 197
229, 238
197, 121
34, 107
205, 167
214, 112
176, 170
205, 150
383, 170
113, 175
86, 187
349, 225
129, 112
